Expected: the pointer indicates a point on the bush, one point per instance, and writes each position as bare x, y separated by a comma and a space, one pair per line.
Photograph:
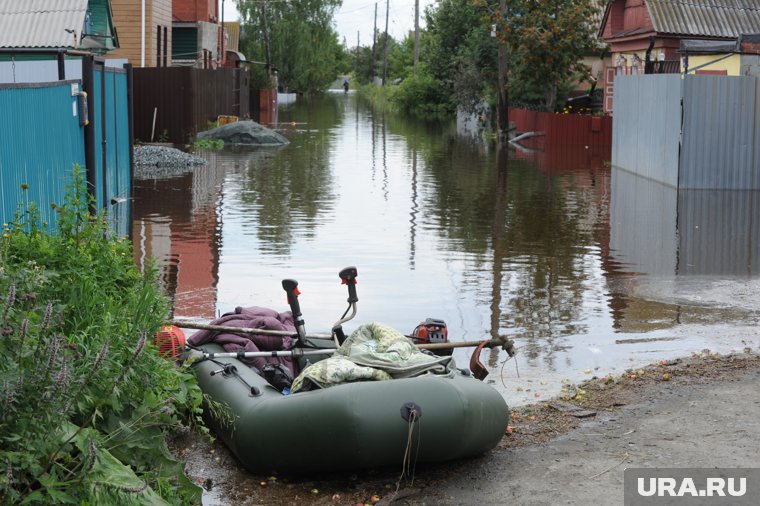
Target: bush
86, 401
422, 95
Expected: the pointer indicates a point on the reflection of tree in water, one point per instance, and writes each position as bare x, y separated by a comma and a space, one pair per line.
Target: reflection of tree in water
288, 189
526, 233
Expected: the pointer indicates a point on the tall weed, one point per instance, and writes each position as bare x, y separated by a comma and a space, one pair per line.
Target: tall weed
85, 401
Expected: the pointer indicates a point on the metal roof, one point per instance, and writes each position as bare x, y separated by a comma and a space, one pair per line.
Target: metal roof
707, 18
41, 23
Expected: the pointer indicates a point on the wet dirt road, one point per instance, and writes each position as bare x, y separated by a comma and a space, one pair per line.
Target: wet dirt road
702, 411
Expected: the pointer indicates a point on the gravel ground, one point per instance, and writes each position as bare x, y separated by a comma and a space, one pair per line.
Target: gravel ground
700, 411
157, 161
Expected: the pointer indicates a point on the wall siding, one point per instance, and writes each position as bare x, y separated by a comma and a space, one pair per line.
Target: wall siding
127, 17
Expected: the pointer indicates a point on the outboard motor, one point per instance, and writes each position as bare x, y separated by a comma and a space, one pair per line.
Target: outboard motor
432, 331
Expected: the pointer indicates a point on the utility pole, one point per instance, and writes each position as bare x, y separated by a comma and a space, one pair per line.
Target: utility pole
385, 41
265, 26
502, 103
416, 34
357, 40
374, 39
220, 60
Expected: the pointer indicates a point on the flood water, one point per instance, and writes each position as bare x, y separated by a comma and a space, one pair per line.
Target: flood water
589, 269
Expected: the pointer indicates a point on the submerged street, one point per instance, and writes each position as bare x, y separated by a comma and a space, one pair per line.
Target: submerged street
550, 247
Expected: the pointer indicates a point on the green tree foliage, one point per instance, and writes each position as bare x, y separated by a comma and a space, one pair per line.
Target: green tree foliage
546, 40
303, 45
85, 400
362, 64
459, 51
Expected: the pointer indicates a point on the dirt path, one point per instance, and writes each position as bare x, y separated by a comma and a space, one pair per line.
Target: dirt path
698, 412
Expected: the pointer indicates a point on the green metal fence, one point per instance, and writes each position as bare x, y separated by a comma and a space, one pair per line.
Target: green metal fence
42, 139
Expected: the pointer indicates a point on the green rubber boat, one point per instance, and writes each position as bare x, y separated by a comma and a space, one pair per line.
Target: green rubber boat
377, 401
367, 424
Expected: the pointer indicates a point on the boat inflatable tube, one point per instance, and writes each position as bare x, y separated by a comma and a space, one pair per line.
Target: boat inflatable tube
359, 425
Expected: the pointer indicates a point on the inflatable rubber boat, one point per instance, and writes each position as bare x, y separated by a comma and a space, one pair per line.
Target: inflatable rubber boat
391, 403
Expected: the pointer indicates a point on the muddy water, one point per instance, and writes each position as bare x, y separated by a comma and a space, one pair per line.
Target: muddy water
588, 269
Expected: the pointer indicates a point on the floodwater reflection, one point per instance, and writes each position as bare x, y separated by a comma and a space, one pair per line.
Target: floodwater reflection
546, 246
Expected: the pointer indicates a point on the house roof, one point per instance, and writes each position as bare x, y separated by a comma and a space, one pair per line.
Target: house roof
746, 43
56, 24
725, 19
708, 18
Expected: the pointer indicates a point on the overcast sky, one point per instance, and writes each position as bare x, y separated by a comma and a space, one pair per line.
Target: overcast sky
358, 15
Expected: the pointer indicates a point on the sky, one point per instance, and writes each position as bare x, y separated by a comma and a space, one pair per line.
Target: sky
358, 15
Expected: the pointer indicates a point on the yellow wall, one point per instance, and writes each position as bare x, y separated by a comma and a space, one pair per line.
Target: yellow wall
732, 64
127, 17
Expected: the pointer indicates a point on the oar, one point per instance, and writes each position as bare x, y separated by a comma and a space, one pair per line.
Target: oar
491, 343
240, 330
295, 352
285, 333
299, 352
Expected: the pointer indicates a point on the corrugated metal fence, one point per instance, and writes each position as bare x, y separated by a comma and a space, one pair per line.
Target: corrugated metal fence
42, 140
720, 144
646, 126
692, 132
565, 129
112, 146
184, 100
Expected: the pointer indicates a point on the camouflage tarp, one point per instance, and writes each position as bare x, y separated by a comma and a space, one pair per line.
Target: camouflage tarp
373, 352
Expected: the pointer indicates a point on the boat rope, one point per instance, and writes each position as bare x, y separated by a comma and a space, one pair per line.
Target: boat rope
501, 372
409, 464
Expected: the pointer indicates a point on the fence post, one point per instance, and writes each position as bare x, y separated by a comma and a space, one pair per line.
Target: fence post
88, 85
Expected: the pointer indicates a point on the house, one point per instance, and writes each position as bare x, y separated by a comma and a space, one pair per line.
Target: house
645, 35
145, 32
729, 58
85, 25
196, 33
35, 35
232, 55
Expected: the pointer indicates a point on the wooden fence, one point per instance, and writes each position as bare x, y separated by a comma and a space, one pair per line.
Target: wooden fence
172, 104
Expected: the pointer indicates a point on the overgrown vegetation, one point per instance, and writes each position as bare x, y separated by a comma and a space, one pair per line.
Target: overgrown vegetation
544, 42
297, 39
209, 144
86, 400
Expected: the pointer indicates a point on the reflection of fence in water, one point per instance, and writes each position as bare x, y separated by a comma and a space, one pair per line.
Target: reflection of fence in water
659, 230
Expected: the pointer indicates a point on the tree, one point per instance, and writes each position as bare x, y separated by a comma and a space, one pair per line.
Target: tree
459, 51
546, 40
304, 47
